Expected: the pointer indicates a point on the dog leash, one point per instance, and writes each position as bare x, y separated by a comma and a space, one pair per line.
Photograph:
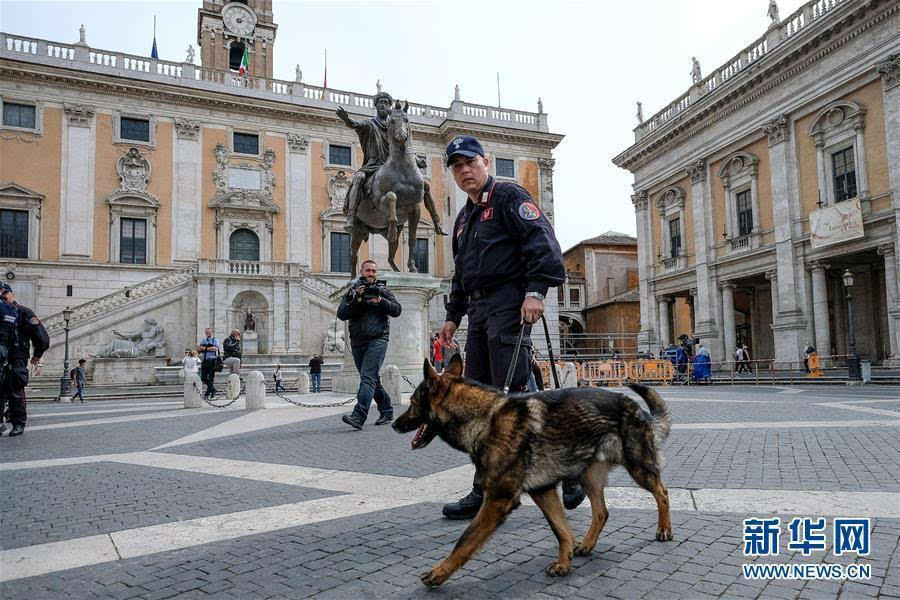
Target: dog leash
515, 356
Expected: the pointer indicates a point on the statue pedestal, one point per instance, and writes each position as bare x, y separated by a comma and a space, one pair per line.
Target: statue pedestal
249, 342
126, 370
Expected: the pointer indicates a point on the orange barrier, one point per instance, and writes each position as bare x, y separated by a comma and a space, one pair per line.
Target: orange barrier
662, 371
603, 372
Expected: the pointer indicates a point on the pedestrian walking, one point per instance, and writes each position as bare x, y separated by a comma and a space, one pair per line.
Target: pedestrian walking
278, 376
231, 348
79, 379
368, 305
209, 350
21, 332
315, 373
506, 258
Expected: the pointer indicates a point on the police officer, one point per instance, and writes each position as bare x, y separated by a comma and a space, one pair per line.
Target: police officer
507, 257
27, 329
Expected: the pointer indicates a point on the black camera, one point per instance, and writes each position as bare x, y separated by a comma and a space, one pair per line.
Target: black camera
370, 290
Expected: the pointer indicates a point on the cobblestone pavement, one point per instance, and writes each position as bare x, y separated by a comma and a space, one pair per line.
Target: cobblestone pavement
143, 499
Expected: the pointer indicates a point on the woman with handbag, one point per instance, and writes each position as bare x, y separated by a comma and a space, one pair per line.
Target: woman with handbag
210, 351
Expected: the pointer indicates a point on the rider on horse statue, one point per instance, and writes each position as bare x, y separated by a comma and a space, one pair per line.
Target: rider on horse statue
373, 137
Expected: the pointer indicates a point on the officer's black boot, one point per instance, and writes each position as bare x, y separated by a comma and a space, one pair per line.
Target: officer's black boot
17, 430
353, 420
573, 494
467, 507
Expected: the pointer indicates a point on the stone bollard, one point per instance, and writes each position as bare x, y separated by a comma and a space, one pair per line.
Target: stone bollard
233, 387
192, 391
303, 383
568, 376
390, 382
256, 391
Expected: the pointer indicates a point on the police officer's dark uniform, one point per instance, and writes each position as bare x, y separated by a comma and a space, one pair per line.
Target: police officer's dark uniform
28, 331
504, 249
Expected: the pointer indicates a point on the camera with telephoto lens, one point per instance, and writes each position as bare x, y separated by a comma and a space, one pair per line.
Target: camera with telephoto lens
370, 290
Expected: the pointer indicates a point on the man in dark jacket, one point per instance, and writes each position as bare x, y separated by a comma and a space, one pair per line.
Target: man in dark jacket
367, 305
231, 348
30, 335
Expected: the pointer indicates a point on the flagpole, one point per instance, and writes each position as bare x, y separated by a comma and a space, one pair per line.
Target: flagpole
325, 81
498, 89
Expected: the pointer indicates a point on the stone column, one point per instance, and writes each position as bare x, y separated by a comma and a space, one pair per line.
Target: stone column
279, 317
76, 215
294, 306
862, 178
754, 199
791, 327
729, 209
645, 258
820, 171
890, 286
298, 213
409, 332
728, 319
889, 70
772, 276
204, 319
664, 323
691, 301
187, 181
221, 310
820, 307
546, 193
808, 306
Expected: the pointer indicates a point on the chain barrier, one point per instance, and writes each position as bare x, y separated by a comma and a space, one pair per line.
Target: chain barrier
281, 395
406, 379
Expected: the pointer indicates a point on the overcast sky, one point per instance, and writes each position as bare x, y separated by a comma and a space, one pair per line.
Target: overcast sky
589, 61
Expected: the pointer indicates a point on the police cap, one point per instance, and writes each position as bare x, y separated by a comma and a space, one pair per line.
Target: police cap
4, 287
463, 145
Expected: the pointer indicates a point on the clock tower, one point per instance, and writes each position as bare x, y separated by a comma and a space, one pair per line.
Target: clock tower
225, 28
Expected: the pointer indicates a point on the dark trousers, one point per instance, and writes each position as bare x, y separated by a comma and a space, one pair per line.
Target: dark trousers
208, 374
368, 359
494, 322
80, 393
13, 395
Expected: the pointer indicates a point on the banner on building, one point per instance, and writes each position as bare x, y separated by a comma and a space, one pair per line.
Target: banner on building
835, 224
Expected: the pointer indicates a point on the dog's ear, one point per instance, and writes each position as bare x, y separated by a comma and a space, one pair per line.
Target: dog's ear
456, 366
429, 374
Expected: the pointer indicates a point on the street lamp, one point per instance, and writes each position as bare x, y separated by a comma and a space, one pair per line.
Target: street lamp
65, 391
853, 370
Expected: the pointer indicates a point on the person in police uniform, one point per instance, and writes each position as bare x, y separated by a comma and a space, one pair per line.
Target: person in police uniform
506, 257
29, 331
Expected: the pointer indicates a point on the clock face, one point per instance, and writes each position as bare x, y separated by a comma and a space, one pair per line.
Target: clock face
239, 19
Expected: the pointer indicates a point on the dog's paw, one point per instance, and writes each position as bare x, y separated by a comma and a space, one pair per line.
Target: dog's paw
435, 576
664, 535
559, 569
583, 550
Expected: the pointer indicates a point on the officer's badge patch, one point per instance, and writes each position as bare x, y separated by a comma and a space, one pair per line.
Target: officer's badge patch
458, 142
34, 321
487, 214
529, 211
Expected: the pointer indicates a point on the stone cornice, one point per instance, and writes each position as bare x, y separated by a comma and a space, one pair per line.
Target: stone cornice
774, 69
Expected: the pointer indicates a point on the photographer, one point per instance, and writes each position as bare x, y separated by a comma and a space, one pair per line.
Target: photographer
367, 305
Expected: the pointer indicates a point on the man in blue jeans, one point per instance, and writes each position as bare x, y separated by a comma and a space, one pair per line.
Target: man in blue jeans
367, 305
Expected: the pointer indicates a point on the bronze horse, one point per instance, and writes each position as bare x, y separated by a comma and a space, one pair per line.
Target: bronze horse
397, 190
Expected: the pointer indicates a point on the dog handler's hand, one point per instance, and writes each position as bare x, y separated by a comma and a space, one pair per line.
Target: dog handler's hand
446, 334
532, 309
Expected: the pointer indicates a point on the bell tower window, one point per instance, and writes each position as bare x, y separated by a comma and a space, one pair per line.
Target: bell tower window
235, 55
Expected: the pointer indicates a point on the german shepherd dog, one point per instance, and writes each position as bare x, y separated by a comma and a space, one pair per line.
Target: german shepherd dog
530, 442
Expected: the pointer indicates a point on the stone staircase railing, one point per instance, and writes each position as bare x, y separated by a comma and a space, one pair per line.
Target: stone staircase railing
211, 267
110, 302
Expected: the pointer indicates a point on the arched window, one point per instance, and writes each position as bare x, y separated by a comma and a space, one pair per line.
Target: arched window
243, 245
235, 55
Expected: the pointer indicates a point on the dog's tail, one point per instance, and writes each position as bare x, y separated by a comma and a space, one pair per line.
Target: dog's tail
662, 421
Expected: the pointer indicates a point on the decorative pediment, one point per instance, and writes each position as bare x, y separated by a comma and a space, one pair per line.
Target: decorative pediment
134, 174
738, 163
672, 196
244, 185
245, 200
842, 113
14, 190
338, 188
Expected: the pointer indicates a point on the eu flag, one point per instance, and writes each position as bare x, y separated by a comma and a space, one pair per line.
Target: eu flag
153, 52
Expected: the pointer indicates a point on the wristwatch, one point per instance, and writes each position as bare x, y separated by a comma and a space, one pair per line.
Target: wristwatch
537, 295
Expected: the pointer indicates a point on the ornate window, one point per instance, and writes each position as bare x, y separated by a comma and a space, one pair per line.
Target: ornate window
340, 252
339, 155
133, 241
13, 233
575, 297
20, 222
505, 167
421, 255
839, 134
243, 245
670, 203
134, 130
22, 115
132, 213
245, 143
843, 172
740, 178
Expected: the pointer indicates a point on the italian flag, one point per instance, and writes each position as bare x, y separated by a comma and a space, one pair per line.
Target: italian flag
245, 61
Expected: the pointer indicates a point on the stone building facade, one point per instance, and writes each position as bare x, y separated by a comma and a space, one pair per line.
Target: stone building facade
768, 179
133, 187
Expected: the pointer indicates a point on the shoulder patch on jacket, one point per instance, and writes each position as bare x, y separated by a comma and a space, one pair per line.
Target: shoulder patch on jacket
529, 212
34, 321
